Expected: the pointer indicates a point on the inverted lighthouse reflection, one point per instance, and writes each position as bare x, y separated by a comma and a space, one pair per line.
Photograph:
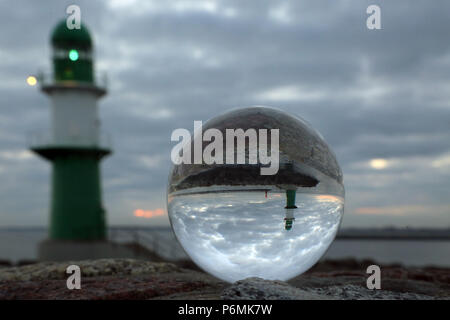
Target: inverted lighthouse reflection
236, 223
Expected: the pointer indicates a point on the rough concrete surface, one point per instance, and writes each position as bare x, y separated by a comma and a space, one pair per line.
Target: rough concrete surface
137, 279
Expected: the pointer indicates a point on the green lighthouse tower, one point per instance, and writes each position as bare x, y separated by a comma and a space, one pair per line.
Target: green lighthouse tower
74, 147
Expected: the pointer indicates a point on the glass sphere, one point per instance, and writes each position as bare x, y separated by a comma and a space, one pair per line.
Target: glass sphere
235, 222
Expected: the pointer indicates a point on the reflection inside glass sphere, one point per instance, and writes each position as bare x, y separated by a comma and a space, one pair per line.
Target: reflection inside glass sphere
236, 223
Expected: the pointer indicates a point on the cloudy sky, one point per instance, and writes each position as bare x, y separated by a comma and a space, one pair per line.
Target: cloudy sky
373, 94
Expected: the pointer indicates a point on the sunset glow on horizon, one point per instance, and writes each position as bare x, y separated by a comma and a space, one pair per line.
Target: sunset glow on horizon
378, 164
139, 213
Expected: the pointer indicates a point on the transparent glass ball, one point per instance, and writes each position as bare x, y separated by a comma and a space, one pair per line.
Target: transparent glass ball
235, 222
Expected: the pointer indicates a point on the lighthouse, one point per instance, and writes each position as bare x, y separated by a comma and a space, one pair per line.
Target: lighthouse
73, 146
289, 209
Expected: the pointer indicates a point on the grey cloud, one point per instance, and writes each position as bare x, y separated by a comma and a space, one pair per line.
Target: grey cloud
159, 82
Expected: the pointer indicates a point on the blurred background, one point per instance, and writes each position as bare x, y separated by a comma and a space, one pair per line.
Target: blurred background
380, 98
